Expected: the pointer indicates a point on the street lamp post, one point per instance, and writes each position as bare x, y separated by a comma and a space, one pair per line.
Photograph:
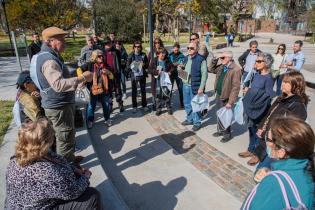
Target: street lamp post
7, 24
150, 27
190, 20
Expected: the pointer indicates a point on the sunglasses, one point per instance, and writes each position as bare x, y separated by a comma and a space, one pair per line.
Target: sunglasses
280, 48
222, 58
260, 61
137, 46
190, 48
157, 42
193, 39
100, 56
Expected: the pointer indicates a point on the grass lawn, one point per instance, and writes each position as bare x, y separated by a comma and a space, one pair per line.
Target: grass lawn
5, 117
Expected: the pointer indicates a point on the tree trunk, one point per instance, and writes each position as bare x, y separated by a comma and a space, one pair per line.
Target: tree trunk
157, 23
144, 31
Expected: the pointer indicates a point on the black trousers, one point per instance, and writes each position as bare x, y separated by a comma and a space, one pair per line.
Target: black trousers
115, 87
90, 199
179, 84
134, 90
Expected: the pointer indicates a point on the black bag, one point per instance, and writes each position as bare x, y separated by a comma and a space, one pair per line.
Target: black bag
78, 118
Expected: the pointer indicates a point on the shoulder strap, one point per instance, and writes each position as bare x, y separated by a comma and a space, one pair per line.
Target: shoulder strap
250, 198
284, 192
292, 186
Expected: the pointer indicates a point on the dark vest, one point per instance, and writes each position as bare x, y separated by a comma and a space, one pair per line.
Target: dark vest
50, 98
196, 73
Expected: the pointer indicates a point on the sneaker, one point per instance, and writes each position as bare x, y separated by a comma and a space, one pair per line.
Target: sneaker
187, 123
170, 112
226, 138
196, 127
89, 124
125, 96
121, 108
158, 112
134, 110
217, 134
108, 123
146, 109
204, 113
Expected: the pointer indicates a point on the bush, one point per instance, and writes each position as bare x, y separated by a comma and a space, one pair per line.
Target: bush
68, 57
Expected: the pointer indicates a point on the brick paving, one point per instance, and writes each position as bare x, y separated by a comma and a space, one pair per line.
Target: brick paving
224, 171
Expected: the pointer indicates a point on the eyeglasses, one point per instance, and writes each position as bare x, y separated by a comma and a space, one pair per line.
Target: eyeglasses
190, 48
260, 61
137, 46
222, 58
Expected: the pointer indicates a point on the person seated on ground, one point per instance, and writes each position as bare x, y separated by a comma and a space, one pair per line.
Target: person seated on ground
291, 143
137, 64
161, 92
29, 97
99, 87
37, 178
292, 102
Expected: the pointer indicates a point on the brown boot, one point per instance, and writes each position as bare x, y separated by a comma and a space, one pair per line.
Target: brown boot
78, 159
245, 154
253, 161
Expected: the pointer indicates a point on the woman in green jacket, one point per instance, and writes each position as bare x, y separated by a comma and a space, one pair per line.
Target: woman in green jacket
291, 143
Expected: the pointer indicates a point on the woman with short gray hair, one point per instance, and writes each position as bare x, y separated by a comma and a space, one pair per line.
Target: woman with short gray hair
263, 81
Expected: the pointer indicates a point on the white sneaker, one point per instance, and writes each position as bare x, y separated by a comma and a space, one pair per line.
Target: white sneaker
108, 123
125, 96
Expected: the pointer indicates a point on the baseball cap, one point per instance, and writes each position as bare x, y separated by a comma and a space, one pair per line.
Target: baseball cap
23, 78
52, 32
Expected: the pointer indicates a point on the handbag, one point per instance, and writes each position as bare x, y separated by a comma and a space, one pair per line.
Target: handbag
275, 73
99, 87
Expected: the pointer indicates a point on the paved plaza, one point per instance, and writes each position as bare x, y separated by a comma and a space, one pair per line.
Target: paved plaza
145, 162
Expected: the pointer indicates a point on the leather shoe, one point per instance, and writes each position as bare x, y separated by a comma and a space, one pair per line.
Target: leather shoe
78, 159
253, 161
217, 134
245, 154
226, 138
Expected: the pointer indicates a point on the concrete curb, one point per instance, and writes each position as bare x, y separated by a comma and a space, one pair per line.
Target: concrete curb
110, 197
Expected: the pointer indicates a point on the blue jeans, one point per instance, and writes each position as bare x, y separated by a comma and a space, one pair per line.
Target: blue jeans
279, 82
105, 101
245, 73
192, 117
253, 138
266, 163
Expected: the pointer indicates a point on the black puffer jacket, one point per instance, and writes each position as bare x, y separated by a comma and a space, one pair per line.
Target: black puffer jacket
289, 106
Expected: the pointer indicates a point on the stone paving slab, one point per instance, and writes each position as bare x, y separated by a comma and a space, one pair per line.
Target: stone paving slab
226, 172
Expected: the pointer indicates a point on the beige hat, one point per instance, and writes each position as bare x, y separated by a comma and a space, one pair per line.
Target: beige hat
52, 31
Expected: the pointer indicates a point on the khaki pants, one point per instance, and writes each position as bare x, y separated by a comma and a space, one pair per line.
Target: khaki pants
63, 123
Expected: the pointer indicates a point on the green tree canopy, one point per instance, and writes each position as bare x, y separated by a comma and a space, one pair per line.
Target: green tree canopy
121, 17
39, 14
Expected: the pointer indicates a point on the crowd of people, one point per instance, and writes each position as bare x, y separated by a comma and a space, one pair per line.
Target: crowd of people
281, 144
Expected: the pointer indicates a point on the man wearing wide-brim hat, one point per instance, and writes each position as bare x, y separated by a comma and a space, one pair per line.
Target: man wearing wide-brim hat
57, 89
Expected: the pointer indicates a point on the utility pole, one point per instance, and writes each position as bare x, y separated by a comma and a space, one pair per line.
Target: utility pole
190, 20
150, 29
7, 24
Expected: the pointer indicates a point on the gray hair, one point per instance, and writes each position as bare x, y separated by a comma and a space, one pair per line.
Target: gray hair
88, 38
228, 54
268, 59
